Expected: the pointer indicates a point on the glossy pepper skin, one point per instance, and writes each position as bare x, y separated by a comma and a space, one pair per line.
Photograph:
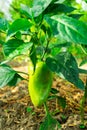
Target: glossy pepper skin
40, 83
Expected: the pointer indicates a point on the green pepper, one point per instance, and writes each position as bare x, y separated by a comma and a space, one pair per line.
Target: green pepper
40, 82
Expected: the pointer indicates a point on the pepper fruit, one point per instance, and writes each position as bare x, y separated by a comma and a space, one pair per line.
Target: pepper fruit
40, 82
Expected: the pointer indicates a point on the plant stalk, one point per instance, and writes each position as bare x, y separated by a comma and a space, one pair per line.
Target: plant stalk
46, 108
82, 104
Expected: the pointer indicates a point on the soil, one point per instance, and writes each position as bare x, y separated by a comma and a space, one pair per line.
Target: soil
18, 113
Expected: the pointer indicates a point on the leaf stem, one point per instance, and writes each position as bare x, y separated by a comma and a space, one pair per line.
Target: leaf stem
82, 71
46, 108
83, 50
45, 50
22, 73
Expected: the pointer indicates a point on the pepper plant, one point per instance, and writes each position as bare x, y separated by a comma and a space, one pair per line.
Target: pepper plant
44, 33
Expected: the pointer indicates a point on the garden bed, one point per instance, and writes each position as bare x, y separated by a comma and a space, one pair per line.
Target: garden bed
17, 111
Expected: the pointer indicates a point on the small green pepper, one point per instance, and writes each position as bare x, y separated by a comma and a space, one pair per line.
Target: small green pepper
40, 83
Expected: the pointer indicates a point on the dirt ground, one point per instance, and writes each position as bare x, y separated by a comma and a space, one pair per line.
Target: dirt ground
18, 113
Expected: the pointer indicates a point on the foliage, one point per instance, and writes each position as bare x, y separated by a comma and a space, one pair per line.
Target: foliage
15, 7
44, 32
49, 123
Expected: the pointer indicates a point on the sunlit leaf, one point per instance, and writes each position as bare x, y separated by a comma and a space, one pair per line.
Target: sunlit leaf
38, 7
8, 76
53, 25
15, 47
65, 65
72, 30
21, 24
3, 24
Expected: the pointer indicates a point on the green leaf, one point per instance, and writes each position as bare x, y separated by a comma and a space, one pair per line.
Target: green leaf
29, 109
25, 10
62, 101
8, 76
82, 126
54, 91
72, 30
3, 24
1, 42
16, 79
15, 47
33, 56
38, 7
53, 24
21, 24
51, 97
39, 50
82, 71
52, 64
49, 123
65, 65
58, 47
56, 8
18, 35
76, 16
